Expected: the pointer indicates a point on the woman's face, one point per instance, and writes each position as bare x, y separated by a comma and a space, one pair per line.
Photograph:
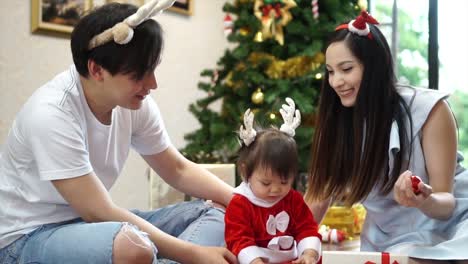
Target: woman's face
344, 72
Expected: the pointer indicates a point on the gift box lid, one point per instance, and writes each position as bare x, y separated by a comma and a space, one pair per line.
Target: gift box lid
354, 257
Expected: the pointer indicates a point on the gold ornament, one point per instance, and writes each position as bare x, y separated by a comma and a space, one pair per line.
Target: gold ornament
291, 68
228, 80
244, 31
319, 57
348, 219
274, 15
362, 4
359, 212
258, 37
241, 2
258, 96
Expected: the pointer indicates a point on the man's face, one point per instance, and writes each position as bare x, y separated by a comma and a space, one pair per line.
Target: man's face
125, 91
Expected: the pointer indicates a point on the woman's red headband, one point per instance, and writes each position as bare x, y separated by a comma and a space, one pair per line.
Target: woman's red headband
360, 25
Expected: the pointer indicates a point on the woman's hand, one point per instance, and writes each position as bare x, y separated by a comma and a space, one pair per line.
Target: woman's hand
404, 194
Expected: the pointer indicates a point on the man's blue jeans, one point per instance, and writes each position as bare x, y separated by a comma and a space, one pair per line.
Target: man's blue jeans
79, 242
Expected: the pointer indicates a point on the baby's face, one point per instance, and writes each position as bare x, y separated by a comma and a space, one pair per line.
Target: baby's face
269, 186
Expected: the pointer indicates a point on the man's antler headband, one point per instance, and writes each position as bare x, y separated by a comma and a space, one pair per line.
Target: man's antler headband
291, 117
360, 24
122, 32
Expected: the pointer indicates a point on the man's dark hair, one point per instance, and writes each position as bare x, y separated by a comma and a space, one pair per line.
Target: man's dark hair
138, 57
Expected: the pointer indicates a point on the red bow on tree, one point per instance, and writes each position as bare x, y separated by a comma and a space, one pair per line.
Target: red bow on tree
267, 8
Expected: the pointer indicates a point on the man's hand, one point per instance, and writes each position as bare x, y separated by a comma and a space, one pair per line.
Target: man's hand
212, 255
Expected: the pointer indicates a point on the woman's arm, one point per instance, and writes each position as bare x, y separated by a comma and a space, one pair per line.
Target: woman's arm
189, 177
439, 143
89, 198
319, 209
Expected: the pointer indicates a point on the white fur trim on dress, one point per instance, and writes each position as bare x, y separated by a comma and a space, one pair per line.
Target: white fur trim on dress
248, 254
245, 190
310, 243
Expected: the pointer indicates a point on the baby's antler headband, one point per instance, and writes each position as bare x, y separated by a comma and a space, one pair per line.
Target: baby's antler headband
122, 32
360, 24
248, 133
291, 117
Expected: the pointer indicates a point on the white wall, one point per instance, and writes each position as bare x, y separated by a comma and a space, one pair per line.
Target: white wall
192, 43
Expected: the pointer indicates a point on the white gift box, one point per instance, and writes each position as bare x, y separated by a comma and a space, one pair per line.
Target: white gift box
355, 257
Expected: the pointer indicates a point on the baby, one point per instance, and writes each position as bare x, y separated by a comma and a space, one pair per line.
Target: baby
267, 221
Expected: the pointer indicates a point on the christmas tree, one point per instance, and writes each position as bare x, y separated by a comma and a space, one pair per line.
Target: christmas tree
278, 53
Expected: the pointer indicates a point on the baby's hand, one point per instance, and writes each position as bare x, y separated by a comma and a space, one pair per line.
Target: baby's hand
410, 191
309, 256
258, 261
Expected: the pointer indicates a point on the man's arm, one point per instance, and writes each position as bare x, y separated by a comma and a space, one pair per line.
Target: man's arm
189, 177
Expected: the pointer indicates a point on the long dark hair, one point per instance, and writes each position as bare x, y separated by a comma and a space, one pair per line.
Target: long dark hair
350, 145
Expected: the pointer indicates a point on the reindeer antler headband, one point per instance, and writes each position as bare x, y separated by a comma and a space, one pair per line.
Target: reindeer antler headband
122, 32
291, 117
360, 24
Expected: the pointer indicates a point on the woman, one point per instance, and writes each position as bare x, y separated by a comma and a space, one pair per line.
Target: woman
372, 136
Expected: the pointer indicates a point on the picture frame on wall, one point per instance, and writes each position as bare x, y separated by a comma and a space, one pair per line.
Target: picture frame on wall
57, 16
184, 7
133, 2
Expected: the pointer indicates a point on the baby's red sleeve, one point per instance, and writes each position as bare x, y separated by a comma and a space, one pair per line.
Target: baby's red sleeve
305, 224
239, 232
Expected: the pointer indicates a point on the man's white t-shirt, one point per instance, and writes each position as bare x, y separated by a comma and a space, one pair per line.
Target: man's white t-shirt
56, 136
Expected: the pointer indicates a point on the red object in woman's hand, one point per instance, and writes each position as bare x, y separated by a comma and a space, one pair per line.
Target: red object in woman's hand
415, 180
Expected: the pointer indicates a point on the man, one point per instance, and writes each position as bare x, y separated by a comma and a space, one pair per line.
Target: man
69, 142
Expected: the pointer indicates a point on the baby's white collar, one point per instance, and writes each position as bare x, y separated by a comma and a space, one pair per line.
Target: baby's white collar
245, 190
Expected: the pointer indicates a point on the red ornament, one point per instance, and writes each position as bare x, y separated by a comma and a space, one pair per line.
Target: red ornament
415, 180
315, 9
228, 25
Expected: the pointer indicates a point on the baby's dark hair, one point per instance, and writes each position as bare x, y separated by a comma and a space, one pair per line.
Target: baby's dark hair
271, 150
